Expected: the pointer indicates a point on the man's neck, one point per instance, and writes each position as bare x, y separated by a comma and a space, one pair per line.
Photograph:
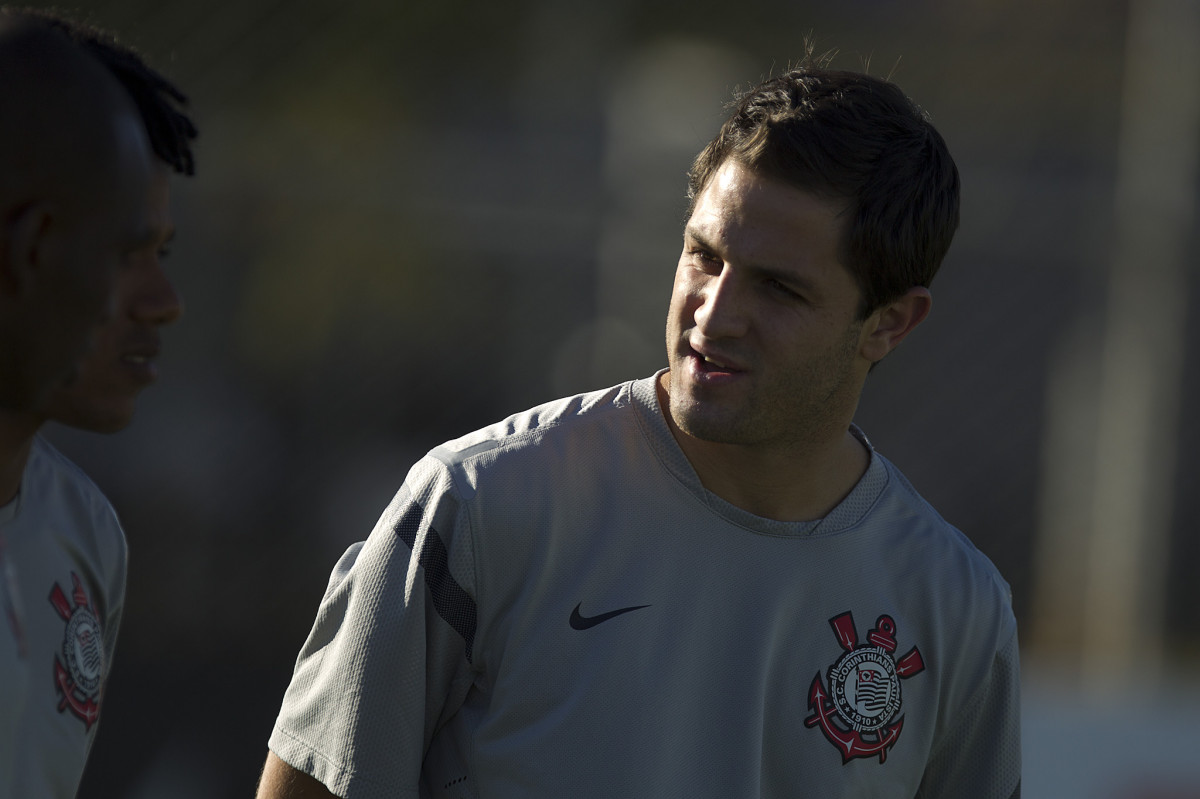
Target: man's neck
785, 481
16, 438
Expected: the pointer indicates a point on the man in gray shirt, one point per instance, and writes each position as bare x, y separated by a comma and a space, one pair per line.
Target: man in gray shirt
94, 135
705, 582
74, 174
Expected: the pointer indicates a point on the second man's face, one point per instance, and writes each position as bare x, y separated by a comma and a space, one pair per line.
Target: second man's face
123, 360
82, 229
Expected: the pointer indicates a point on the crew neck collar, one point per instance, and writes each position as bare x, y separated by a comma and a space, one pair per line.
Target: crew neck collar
846, 514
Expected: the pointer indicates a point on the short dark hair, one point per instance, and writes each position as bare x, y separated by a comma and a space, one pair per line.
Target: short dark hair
159, 101
860, 140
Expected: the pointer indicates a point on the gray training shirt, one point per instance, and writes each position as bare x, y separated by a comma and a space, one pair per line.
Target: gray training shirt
555, 606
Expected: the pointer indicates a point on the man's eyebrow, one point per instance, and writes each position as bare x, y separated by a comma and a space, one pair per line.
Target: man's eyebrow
698, 238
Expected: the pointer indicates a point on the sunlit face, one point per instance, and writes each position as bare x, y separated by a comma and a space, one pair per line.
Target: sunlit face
123, 360
763, 332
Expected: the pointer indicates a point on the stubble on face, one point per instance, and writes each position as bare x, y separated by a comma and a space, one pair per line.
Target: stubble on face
793, 408
763, 332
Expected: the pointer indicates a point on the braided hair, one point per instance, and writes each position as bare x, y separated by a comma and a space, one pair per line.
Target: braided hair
158, 100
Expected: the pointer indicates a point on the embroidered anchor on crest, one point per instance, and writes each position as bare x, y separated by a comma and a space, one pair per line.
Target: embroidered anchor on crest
78, 673
864, 691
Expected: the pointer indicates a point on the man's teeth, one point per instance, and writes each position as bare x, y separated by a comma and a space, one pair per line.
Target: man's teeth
714, 363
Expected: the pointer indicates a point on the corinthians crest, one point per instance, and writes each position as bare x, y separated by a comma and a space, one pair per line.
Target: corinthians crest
80, 669
856, 712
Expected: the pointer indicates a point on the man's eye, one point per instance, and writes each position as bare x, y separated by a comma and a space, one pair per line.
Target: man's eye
782, 289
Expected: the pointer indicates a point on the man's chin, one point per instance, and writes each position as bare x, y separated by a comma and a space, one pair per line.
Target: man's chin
713, 425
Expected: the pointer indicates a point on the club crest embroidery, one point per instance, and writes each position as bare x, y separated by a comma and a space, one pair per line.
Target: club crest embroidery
80, 669
856, 712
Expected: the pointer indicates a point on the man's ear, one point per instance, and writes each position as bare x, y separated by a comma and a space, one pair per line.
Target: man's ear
889, 325
21, 241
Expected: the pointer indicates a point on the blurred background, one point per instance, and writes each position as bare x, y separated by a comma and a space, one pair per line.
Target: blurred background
411, 219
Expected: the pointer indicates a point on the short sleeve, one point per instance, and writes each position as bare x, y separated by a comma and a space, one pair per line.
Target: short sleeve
389, 656
980, 755
115, 570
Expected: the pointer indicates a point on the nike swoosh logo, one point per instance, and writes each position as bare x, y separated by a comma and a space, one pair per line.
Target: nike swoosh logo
580, 622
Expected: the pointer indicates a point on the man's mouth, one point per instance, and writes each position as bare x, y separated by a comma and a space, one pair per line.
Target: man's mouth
714, 363
142, 362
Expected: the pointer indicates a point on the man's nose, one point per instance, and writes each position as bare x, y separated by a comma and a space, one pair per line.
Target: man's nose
722, 311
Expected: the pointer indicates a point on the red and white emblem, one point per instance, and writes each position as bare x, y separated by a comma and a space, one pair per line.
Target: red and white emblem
79, 673
864, 691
